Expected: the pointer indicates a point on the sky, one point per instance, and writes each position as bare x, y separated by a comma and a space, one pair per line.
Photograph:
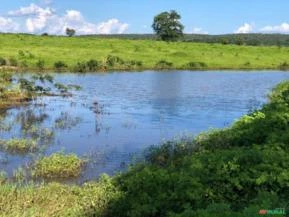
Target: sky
136, 16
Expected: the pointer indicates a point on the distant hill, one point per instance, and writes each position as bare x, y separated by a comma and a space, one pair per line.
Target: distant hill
246, 39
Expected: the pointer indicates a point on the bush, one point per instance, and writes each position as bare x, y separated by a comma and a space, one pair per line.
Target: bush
24, 64
163, 64
80, 67
284, 66
196, 65
13, 61
247, 63
21, 53
59, 65
113, 60
92, 65
2, 61
40, 64
134, 63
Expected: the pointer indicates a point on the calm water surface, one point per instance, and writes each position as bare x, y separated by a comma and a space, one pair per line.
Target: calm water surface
118, 115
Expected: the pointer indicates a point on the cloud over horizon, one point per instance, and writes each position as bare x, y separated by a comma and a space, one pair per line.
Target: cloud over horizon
282, 28
246, 28
39, 19
198, 30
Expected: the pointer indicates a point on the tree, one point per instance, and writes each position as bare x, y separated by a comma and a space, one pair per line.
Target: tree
167, 26
70, 32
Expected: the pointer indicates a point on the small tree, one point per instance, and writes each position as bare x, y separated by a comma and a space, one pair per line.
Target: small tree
70, 32
167, 26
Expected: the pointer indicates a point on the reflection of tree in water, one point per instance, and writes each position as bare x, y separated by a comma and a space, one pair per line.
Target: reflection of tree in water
36, 124
166, 92
98, 110
66, 121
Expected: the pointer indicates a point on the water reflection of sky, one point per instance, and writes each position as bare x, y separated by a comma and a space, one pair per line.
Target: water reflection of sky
118, 114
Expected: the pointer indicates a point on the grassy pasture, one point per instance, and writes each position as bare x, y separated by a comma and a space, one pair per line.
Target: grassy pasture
42, 52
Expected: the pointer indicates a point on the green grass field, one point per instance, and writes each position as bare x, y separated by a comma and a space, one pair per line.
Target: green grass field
24, 51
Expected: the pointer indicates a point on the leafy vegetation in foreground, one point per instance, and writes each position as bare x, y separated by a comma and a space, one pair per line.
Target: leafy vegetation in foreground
231, 172
58, 165
55, 199
82, 54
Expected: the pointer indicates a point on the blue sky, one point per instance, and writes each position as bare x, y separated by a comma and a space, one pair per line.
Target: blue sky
130, 16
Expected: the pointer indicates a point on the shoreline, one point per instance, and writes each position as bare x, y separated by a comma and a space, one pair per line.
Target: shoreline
51, 70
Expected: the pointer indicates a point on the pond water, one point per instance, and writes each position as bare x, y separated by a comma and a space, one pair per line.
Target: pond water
115, 116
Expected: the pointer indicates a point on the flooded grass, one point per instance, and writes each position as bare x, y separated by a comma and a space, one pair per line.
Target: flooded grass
58, 165
19, 146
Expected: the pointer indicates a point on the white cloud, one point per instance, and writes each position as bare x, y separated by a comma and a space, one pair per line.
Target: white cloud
8, 25
112, 26
282, 28
197, 30
74, 19
39, 19
73, 15
246, 28
31, 10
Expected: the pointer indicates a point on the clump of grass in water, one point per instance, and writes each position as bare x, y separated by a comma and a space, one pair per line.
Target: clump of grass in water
19, 146
58, 165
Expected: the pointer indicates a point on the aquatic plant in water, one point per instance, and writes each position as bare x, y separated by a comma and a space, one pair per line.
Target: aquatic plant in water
19, 146
58, 165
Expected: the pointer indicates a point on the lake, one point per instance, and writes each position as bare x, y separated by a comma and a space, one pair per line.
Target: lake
117, 115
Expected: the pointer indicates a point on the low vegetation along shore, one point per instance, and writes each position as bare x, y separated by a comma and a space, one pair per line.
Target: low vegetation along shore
88, 54
236, 171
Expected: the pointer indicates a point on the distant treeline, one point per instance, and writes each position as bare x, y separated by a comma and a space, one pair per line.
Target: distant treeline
239, 39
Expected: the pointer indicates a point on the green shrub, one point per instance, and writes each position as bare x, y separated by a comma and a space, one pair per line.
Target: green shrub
80, 67
2, 61
13, 61
247, 63
59, 65
284, 66
134, 63
40, 64
196, 65
92, 65
21, 53
24, 64
163, 64
113, 61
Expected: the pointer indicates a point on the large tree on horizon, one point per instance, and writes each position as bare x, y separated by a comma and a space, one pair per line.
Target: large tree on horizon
167, 26
70, 32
